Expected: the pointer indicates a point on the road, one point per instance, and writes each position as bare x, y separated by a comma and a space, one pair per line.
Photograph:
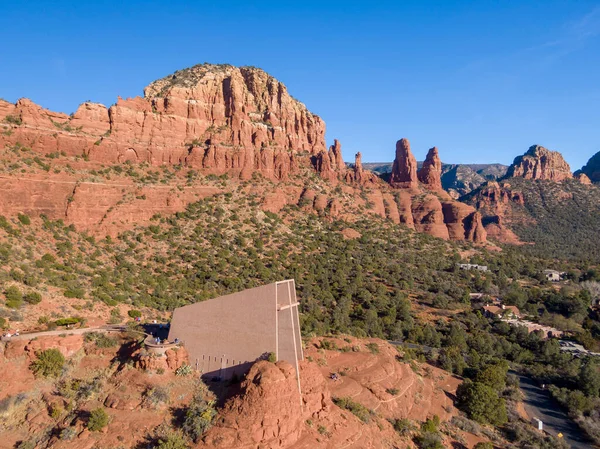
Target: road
539, 404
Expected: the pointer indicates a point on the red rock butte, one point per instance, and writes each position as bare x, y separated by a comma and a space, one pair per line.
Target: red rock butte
217, 120
540, 163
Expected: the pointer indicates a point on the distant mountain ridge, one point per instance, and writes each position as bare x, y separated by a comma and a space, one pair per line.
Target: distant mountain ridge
457, 179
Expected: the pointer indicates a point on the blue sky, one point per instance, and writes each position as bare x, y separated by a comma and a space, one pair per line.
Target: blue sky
482, 80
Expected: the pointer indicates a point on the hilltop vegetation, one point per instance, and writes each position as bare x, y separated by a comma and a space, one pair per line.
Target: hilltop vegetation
387, 282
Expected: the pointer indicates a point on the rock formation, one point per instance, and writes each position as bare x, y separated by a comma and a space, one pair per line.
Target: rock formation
358, 174
269, 412
335, 155
497, 201
592, 168
218, 118
420, 203
212, 120
540, 163
404, 170
430, 173
583, 178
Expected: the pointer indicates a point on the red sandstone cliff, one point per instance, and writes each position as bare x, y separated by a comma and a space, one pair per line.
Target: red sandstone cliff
221, 119
540, 163
216, 120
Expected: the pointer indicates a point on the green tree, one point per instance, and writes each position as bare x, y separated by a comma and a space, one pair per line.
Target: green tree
481, 403
14, 297
33, 298
493, 375
98, 419
49, 363
589, 378
134, 313
451, 359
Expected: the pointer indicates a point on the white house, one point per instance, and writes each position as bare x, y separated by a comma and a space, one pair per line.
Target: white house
553, 275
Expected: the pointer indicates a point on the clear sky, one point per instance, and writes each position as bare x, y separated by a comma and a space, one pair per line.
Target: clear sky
482, 80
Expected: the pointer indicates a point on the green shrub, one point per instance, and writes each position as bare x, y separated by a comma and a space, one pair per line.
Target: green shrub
13, 120
14, 297
49, 363
272, 357
68, 433
199, 417
156, 396
115, 317
134, 313
28, 444
101, 340
74, 292
359, 410
183, 370
3, 323
33, 298
174, 440
98, 419
373, 347
429, 440
24, 219
431, 424
67, 321
484, 445
404, 427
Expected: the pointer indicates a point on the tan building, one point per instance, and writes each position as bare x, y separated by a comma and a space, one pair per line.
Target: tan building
502, 311
226, 335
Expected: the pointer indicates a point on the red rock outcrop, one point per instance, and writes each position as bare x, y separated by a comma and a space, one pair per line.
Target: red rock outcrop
430, 173
335, 155
497, 201
358, 175
592, 168
463, 222
498, 195
540, 163
324, 168
583, 178
434, 213
216, 120
474, 229
222, 119
68, 345
429, 217
404, 170
271, 413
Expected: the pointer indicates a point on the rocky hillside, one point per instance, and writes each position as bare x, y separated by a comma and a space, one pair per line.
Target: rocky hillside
540, 163
105, 170
591, 169
457, 179
541, 202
